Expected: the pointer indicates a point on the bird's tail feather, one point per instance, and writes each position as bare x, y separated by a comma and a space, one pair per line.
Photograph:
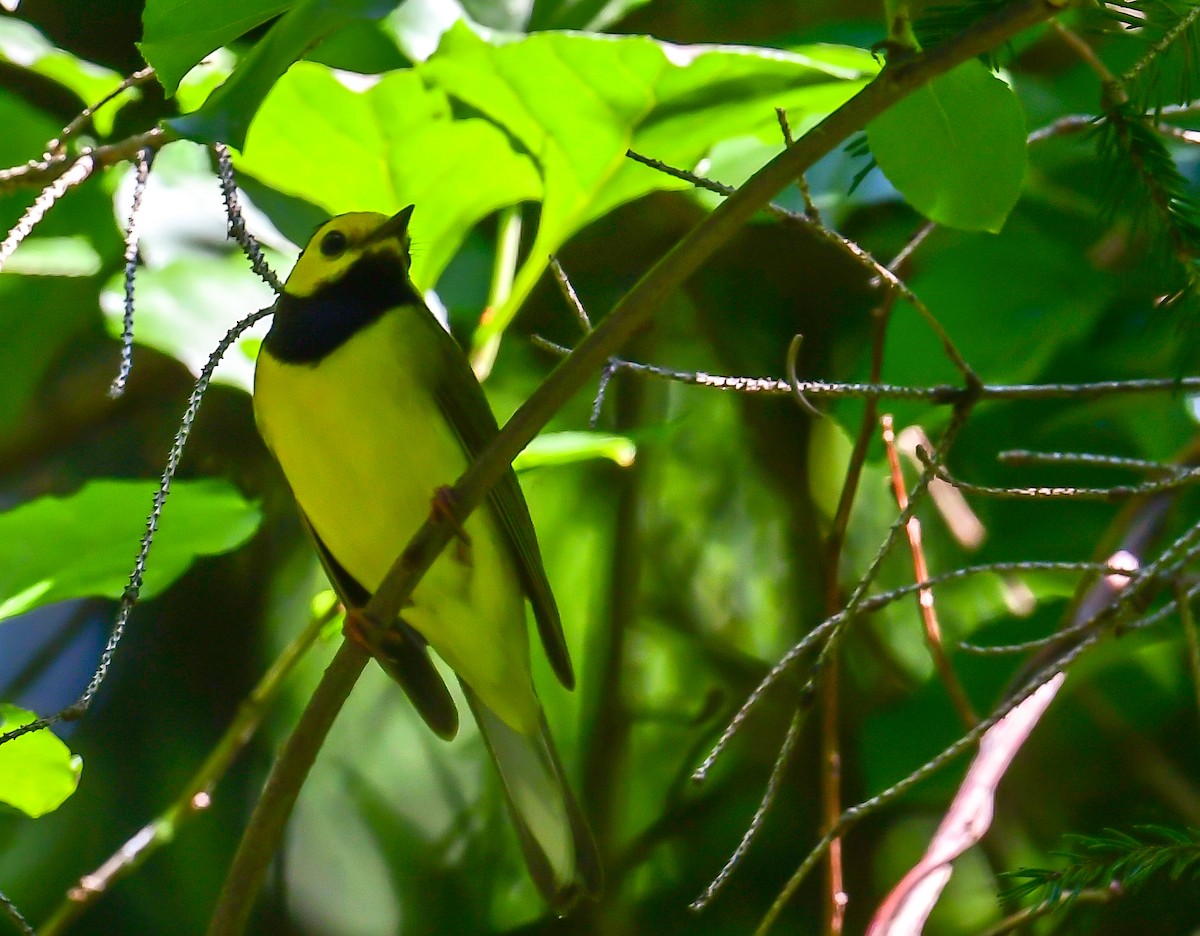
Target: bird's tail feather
554, 836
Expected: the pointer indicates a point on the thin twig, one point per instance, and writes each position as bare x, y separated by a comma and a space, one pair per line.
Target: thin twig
1063, 126
606, 376
14, 916
1156, 617
793, 353
1110, 495
881, 318
810, 207
830, 648
859, 595
836, 897
1179, 133
1090, 459
132, 240
906, 252
1163, 569
1086, 54
831, 758
41, 173
782, 759
937, 394
266, 824
55, 147
49, 196
237, 221
585, 324
572, 297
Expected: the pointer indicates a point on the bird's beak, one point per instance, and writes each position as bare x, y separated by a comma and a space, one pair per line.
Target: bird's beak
394, 228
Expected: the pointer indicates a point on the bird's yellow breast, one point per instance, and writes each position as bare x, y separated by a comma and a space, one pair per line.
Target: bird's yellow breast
365, 447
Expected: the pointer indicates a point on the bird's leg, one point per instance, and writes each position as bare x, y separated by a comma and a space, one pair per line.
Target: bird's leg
442, 508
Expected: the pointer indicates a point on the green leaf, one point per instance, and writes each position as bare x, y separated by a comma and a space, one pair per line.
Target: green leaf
57, 548
566, 448
227, 113
955, 149
177, 34
391, 144
578, 102
37, 771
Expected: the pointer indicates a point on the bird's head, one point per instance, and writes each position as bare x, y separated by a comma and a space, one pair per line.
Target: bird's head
343, 242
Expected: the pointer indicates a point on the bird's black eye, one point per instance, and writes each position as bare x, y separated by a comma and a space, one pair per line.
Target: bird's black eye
333, 244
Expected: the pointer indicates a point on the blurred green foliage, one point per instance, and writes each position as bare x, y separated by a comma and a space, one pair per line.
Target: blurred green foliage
686, 540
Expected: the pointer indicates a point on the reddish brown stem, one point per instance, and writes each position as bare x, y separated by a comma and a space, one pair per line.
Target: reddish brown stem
933, 631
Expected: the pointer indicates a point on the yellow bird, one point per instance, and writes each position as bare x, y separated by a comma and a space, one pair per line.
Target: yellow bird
371, 407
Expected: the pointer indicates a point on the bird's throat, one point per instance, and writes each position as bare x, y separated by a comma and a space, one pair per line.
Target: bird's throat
306, 329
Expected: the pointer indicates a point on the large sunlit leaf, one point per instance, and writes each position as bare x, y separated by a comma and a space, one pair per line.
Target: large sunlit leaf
82, 545
381, 146
577, 102
227, 113
37, 771
955, 148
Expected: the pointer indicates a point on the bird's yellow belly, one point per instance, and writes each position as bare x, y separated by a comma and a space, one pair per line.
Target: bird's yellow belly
365, 449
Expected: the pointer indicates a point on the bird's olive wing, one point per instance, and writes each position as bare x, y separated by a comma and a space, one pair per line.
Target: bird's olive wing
403, 653
461, 401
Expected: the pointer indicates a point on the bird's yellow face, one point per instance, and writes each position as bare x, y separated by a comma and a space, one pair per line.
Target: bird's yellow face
352, 272
340, 243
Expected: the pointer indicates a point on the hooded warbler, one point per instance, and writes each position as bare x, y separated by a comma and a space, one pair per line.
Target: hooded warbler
370, 407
